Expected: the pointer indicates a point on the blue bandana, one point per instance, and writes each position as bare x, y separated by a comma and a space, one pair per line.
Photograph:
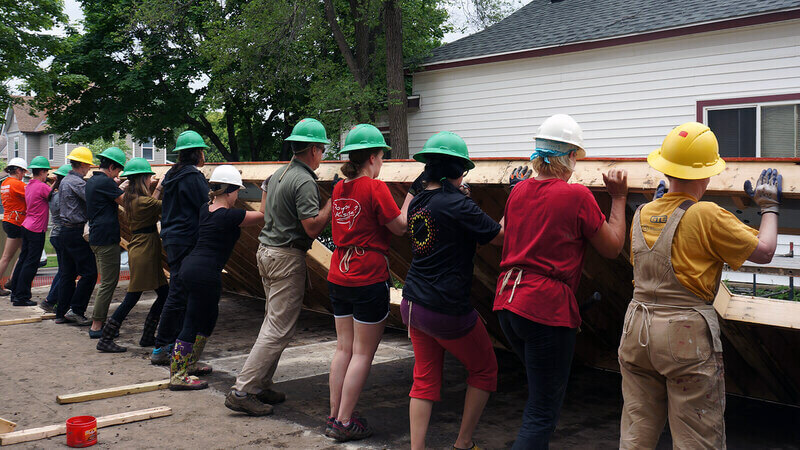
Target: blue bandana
544, 153
547, 147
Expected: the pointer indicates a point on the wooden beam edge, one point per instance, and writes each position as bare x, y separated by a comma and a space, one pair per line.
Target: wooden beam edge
112, 392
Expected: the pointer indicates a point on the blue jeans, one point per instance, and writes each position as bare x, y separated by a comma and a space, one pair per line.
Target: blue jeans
27, 265
547, 354
171, 322
52, 296
76, 259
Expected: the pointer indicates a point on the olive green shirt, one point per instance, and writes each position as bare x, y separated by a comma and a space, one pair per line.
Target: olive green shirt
292, 196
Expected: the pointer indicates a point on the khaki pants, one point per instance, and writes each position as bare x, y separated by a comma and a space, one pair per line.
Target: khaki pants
107, 258
283, 272
670, 371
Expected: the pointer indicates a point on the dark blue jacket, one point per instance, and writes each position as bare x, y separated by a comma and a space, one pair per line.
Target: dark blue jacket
185, 191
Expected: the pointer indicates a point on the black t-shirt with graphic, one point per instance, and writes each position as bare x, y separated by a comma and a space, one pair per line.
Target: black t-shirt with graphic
445, 228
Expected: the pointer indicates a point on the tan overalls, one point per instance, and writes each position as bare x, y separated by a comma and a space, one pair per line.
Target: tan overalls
670, 354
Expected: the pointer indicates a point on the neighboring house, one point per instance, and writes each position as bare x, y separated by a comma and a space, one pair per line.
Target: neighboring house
627, 71
27, 136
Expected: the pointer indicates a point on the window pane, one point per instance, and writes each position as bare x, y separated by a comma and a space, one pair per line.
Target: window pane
778, 132
735, 130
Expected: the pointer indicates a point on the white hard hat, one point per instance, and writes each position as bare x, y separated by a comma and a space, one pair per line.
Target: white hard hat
18, 162
226, 174
562, 128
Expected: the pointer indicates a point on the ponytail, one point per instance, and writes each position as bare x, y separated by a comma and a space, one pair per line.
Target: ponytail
356, 160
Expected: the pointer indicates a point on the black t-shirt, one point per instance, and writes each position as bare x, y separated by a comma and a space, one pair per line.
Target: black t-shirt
218, 232
101, 208
445, 227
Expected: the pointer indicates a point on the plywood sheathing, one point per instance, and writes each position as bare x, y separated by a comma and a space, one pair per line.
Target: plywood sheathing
756, 337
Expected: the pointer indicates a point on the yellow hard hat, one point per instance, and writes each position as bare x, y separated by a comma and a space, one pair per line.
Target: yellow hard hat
81, 154
690, 152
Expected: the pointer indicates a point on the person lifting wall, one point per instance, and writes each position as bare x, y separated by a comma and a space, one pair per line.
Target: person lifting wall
670, 353
292, 220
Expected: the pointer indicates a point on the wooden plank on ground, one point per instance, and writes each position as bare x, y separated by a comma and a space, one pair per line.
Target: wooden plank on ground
34, 434
6, 426
20, 321
112, 392
48, 316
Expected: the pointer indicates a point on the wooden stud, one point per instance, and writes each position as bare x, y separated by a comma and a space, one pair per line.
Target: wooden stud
33, 434
20, 321
6, 426
48, 316
112, 392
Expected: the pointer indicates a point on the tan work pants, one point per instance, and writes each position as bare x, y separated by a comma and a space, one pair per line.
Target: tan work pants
283, 273
670, 371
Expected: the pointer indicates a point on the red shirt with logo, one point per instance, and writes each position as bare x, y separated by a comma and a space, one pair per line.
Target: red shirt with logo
548, 225
361, 208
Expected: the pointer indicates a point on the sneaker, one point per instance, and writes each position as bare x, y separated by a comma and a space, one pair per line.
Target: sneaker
357, 429
248, 404
77, 319
161, 356
271, 397
24, 303
4, 292
474, 447
329, 425
47, 307
62, 320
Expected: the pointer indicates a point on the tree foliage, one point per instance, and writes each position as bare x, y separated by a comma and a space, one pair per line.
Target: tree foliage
98, 145
24, 43
241, 73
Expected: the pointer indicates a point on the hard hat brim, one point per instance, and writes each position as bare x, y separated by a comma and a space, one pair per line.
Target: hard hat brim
308, 139
187, 147
354, 147
81, 160
136, 172
421, 156
666, 167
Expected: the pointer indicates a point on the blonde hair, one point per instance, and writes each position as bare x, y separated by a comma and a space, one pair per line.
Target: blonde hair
559, 166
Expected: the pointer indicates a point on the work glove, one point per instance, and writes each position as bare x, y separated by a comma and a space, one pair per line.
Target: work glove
767, 193
336, 179
519, 174
465, 189
660, 190
417, 186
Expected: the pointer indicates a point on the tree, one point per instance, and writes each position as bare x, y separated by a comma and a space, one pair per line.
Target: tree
375, 39
24, 45
98, 145
477, 15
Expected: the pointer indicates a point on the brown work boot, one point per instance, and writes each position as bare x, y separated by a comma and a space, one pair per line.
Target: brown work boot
271, 397
248, 404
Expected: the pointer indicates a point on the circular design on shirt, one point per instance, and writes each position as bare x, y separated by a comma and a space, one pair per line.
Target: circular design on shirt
423, 232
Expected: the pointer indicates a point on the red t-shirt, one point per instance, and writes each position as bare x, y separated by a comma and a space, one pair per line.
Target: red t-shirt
361, 209
547, 227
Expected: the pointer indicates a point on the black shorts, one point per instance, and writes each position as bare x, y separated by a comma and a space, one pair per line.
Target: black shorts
367, 304
12, 231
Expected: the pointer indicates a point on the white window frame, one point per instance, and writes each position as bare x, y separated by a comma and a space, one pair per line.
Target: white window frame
51, 147
152, 147
757, 106
16, 147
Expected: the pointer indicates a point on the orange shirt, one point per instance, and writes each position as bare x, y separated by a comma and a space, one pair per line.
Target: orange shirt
12, 194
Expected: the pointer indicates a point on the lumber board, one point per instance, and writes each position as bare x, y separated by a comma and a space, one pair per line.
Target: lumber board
33, 434
6, 426
20, 321
759, 310
112, 392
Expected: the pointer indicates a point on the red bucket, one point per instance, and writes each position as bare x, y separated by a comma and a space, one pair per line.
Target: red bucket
81, 431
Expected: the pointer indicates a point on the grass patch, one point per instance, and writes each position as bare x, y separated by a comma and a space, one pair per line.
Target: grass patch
52, 261
48, 247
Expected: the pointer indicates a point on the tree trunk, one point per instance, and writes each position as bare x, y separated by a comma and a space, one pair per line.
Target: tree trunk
395, 80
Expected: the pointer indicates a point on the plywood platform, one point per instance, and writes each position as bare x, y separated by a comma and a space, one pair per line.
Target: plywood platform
760, 337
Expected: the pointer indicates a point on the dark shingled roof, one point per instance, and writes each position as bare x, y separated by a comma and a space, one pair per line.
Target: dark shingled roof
28, 120
541, 23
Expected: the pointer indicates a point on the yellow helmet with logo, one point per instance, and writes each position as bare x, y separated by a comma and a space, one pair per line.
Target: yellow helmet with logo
690, 152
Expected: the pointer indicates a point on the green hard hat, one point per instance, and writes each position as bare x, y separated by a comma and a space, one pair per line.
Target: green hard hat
137, 166
40, 162
364, 136
63, 170
189, 139
114, 154
309, 130
445, 143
